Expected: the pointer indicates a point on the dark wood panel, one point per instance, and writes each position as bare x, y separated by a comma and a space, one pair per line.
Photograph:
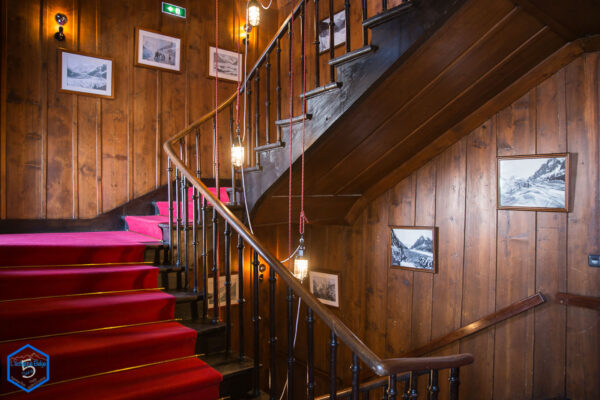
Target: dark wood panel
480, 257
583, 226
551, 248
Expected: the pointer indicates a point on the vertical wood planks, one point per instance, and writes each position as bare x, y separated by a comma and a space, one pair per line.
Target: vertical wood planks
513, 363
583, 330
551, 249
480, 259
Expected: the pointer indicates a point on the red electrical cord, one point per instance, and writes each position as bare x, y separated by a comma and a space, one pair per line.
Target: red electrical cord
290, 139
303, 218
216, 297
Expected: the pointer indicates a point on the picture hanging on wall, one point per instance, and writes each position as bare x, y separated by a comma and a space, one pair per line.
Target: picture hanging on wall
82, 73
534, 182
222, 298
156, 50
325, 287
413, 248
339, 31
229, 64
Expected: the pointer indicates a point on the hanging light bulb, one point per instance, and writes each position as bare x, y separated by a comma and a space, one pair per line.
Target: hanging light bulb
237, 153
253, 13
301, 262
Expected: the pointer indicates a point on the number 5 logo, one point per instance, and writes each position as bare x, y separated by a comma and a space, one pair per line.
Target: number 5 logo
28, 368
27, 364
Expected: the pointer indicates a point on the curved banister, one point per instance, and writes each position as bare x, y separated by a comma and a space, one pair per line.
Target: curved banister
380, 366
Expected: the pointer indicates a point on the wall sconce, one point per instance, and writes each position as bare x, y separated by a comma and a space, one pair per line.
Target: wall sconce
301, 262
253, 13
61, 19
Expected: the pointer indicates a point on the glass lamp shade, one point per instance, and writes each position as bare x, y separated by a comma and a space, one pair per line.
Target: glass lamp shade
300, 268
253, 13
237, 156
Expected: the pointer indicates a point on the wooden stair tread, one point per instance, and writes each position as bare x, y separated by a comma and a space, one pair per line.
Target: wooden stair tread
228, 364
203, 325
185, 296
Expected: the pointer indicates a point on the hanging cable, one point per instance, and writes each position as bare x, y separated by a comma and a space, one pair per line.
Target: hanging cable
291, 137
303, 218
217, 297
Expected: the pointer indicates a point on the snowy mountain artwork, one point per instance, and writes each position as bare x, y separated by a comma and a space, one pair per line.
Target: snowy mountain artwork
533, 182
153, 49
85, 74
413, 248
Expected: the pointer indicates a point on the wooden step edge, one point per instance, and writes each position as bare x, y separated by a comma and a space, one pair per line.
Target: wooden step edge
228, 364
185, 296
322, 89
353, 55
295, 120
255, 168
168, 268
387, 15
271, 146
203, 325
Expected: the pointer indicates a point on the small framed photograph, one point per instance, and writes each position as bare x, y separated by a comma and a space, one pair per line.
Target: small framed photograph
339, 31
156, 50
534, 182
82, 73
229, 65
235, 279
325, 286
413, 248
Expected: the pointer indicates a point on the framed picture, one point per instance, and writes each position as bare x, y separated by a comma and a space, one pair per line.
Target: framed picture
414, 248
230, 64
156, 50
235, 279
86, 74
325, 287
339, 31
534, 182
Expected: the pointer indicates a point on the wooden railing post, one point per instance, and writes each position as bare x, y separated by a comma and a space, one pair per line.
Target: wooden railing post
240, 248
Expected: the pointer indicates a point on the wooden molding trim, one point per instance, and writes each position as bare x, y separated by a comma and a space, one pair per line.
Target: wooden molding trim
570, 299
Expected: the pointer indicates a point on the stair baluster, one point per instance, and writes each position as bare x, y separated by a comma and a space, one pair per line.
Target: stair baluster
392, 391
413, 394
240, 248
347, 16
432, 387
310, 359
454, 382
331, 42
233, 200
365, 33
384, 5
227, 233
215, 266
355, 377
272, 337
332, 366
195, 237
290, 349
249, 147
278, 87
170, 198
317, 44
178, 221
268, 97
256, 320
204, 261
185, 199
257, 117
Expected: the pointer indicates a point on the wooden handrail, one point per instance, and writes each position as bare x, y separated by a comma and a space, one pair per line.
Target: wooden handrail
381, 367
578, 300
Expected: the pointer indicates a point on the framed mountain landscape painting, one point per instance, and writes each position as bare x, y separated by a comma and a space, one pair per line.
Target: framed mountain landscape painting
413, 247
87, 74
534, 182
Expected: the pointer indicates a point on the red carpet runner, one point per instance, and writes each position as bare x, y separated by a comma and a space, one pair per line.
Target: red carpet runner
107, 330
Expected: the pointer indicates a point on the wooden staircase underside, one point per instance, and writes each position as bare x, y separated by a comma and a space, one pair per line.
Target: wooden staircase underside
439, 70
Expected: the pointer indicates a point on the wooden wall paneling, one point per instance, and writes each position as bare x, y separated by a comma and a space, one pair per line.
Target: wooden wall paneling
479, 279
513, 362
144, 100
401, 201
61, 108
551, 250
422, 296
450, 216
3, 82
24, 143
583, 325
117, 43
88, 119
376, 231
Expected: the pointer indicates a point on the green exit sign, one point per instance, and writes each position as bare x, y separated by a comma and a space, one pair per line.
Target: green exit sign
172, 9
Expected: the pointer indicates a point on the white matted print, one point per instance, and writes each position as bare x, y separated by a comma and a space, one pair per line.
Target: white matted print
82, 73
229, 65
155, 50
325, 287
413, 247
536, 182
222, 298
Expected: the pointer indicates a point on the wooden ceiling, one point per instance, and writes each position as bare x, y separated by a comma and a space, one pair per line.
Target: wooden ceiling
485, 56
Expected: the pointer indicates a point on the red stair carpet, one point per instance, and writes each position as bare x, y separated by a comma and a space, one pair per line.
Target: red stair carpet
89, 303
